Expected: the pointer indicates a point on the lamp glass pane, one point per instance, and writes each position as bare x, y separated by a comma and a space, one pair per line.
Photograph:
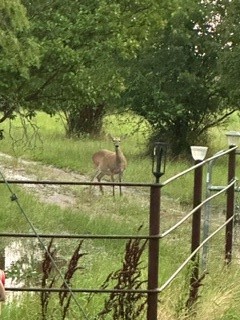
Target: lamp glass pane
159, 158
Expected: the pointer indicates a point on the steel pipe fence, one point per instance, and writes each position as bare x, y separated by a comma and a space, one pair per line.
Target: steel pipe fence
154, 236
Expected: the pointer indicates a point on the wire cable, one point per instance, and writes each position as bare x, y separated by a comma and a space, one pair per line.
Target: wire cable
15, 199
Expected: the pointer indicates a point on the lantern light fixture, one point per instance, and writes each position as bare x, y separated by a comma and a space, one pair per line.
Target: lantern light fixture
159, 159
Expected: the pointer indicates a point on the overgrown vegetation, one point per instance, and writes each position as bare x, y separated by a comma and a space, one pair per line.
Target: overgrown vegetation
129, 305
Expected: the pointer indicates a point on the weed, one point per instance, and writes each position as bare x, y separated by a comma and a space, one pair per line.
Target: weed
50, 277
126, 305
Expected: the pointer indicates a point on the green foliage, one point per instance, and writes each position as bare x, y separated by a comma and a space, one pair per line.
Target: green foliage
19, 51
82, 48
176, 84
175, 63
229, 62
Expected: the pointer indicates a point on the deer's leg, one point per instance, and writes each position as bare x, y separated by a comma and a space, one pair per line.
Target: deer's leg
92, 178
99, 177
112, 179
120, 180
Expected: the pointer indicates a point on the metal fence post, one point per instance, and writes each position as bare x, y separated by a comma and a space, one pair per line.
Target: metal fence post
153, 255
196, 233
230, 206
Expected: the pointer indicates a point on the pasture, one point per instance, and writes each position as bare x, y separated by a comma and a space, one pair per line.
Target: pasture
104, 215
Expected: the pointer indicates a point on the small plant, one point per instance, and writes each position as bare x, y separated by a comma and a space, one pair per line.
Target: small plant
126, 305
65, 296
50, 278
47, 268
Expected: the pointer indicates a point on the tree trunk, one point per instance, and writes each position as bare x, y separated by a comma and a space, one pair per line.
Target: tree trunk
85, 121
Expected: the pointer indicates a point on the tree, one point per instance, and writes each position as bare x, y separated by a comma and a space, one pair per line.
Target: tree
18, 53
229, 61
176, 84
82, 46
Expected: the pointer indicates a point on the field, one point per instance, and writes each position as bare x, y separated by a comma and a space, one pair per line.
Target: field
95, 214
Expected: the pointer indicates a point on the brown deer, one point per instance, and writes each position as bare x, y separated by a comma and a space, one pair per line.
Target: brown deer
110, 163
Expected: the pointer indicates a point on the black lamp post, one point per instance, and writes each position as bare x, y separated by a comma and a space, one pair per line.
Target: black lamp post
159, 159
158, 169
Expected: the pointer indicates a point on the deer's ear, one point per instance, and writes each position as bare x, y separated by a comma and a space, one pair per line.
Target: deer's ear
110, 136
124, 136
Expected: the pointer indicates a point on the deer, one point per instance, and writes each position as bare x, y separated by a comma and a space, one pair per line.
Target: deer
110, 163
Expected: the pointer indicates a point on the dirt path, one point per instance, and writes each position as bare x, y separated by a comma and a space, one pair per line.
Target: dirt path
18, 169
12, 168
65, 196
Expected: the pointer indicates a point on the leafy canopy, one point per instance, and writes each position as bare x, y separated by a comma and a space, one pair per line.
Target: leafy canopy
176, 82
18, 53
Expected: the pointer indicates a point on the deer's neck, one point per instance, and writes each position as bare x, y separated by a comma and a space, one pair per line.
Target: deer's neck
119, 155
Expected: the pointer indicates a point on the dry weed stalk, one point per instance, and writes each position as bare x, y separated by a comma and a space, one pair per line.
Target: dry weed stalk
47, 267
50, 277
65, 296
126, 305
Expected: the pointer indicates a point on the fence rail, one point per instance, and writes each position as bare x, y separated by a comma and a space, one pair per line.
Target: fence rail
155, 236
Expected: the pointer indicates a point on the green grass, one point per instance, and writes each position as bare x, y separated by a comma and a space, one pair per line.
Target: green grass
52, 147
98, 217
103, 215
